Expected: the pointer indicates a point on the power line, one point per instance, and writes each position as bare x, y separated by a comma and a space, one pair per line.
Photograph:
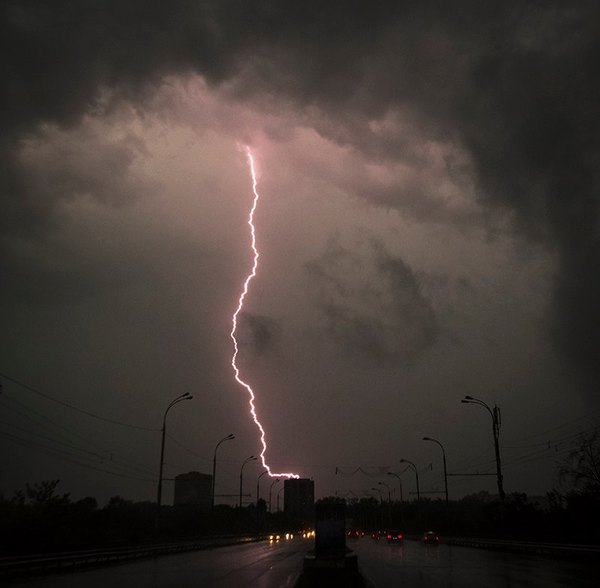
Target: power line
194, 453
101, 458
62, 455
559, 445
562, 425
58, 450
51, 439
75, 408
109, 454
26, 412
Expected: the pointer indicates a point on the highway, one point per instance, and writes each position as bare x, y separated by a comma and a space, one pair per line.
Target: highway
263, 564
414, 565
279, 565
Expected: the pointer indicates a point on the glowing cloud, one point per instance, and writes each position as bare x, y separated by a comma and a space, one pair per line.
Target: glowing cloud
240, 305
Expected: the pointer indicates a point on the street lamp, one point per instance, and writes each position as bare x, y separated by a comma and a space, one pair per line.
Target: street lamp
251, 458
228, 438
444, 456
271, 489
388, 491
186, 396
278, 494
258, 486
414, 467
399, 483
496, 418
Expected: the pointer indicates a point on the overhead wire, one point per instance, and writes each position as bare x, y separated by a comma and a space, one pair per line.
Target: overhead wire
66, 456
562, 425
27, 412
186, 448
59, 451
73, 407
101, 451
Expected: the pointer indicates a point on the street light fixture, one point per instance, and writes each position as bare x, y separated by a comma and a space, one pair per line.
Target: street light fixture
444, 456
251, 458
414, 467
496, 421
399, 483
228, 438
271, 489
258, 486
186, 396
388, 491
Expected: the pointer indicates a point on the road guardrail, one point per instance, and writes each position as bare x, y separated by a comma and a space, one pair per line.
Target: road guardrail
52, 562
558, 549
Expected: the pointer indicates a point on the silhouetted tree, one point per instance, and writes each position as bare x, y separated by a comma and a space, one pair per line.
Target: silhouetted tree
44, 494
582, 466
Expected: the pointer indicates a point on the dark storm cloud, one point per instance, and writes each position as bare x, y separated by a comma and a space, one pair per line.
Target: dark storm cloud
515, 83
44, 258
257, 333
372, 303
63, 59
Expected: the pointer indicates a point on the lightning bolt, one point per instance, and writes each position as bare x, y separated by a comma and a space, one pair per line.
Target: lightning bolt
240, 305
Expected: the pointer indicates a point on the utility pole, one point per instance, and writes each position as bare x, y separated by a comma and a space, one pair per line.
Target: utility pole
251, 458
227, 438
496, 421
186, 396
444, 458
414, 467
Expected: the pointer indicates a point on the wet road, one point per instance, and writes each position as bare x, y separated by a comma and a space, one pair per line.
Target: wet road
279, 565
414, 565
263, 565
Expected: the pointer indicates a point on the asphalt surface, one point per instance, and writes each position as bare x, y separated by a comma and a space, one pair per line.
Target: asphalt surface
279, 565
414, 565
264, 564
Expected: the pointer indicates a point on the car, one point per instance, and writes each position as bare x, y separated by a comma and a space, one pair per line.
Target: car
431, 538
394, 536
354, 534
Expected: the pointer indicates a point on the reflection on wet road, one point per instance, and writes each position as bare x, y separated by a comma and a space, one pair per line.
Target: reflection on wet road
279, 565
264, 565
445, 566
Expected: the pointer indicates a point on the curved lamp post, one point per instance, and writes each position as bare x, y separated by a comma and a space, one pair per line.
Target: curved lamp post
444, 456
258, 485
399, 483
388, 490
248, 459
414, 467
186, 396
271, 490
495, 414
228, 438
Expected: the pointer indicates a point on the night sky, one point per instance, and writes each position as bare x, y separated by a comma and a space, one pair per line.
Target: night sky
428, 227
